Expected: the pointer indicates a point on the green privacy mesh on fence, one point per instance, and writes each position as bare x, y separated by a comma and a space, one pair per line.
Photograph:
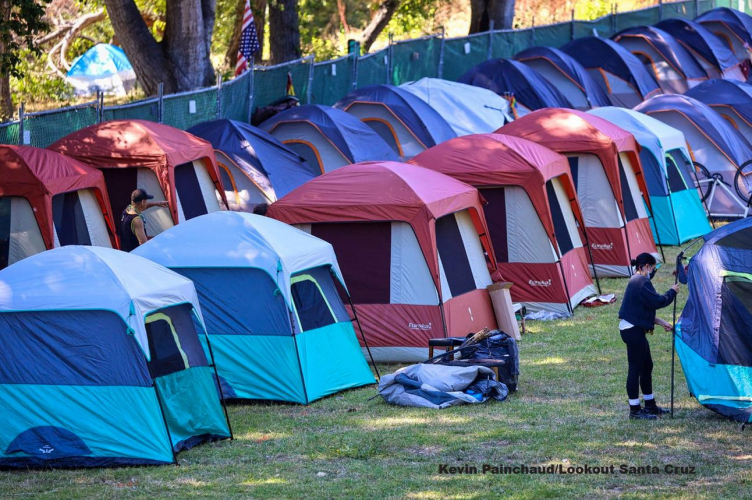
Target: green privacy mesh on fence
326, 82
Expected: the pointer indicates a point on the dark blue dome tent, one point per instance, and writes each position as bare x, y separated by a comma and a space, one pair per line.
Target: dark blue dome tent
714, 143
567, 75
734, 28
732, 99
715, 57
713, 337
254, 166
327, 138
619, 72
406, 122
528, 88
673, 67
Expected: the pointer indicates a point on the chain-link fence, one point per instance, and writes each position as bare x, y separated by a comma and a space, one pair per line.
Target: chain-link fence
326, 82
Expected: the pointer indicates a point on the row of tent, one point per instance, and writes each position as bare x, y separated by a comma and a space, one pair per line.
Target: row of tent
407, 203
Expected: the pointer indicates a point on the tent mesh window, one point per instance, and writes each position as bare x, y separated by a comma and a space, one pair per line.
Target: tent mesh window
495, 211
453, 256
630, 209
679, 176
364, 254
316, 299
734, 335
563, 238
5, 230
70, 222
173, 341
189, 191
741, 239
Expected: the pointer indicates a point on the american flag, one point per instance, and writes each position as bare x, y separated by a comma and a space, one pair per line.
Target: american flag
249, 43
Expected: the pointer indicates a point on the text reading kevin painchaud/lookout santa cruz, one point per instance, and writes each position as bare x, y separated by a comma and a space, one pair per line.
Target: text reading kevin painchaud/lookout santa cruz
564, 470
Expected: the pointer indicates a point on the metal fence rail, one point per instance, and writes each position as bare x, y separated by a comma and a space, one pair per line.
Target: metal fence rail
328, 81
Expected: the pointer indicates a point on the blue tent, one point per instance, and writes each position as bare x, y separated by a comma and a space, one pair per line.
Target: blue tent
732, 99
566, 74
102, 362
713, 142
709, 51
254, 166
406, 122
673, 67
713, 334
327, 138
103, 67
616, 69
278, 327
667, 165
530, 90
731, 26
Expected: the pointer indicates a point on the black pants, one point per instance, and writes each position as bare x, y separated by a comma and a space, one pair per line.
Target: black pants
640, 374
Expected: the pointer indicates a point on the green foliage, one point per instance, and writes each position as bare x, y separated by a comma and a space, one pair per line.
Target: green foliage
592, 9
35, 84
414, 18
224, 25
25, 22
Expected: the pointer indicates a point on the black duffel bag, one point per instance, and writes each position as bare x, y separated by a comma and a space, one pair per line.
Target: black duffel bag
503, 347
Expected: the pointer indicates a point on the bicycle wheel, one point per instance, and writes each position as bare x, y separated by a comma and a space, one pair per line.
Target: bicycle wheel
743, 182
703, 184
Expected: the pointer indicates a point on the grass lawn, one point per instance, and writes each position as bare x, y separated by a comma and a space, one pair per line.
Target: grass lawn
571, 409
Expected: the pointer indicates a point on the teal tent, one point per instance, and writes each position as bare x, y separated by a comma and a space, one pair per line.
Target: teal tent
678, 212
101, 362
270, 295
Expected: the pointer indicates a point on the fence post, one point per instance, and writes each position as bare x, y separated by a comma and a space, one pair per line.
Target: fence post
660, 10
571, 26
489, 53
532, 34
160, 103
440, 71
309, 89
219, 97
390, 53
616, 18
101, 106
251, 89
356, 58
21, 131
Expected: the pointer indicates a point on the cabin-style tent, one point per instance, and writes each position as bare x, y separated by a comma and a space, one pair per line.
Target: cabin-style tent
620, 73
168, 163
410, 243
278, 328
254, 166
102, 362
104, 68
567, 75
672, 66
731, 99
532, 213
731, 26
678, 212
713, 333
605, 166
467, 109
407, 123
713, 142
507, 77
48, 200
715, 57
327, 138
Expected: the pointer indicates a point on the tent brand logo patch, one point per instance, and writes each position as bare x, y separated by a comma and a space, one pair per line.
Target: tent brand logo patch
46, 449
603, 246
419, 326
539, 283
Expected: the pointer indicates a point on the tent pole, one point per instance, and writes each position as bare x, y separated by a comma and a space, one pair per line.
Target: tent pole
566, 288
704, 199
297, 356
221, 394
657, 234
164, 417
673, 332
363, 336
590, 252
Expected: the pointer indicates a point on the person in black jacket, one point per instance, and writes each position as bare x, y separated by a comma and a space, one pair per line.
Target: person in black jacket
637, 315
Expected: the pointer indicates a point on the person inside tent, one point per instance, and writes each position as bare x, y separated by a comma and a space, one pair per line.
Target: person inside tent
637, 315
132, 223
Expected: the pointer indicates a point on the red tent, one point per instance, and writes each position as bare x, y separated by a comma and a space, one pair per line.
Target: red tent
133, 144
605, 165
532, 212
38, 176
390, 224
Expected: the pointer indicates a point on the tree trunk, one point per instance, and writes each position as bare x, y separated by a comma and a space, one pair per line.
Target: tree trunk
381, 18
482, 12
284, 31
187, 42
143, 51
6, 104
258, 7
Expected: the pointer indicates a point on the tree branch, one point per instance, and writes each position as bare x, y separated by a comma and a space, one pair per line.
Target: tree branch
81, 23
381, 18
